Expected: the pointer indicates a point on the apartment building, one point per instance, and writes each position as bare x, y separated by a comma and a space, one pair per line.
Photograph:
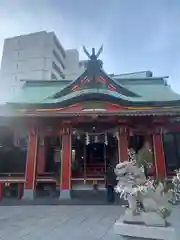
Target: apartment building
37, 56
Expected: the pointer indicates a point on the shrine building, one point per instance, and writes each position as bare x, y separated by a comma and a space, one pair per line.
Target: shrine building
60, 136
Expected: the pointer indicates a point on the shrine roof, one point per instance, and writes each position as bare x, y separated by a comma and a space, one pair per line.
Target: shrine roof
149, 90
37, 91
94, 84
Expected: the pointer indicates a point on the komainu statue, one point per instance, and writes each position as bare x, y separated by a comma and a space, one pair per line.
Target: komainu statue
148, 204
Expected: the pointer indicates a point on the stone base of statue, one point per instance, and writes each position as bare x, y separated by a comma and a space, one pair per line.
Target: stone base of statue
146, 217
144, 226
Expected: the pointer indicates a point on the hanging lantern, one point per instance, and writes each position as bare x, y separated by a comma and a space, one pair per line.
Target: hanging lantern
78, 137
131, 133
117, 135
87, 139
74, 132
96, 139
105, 139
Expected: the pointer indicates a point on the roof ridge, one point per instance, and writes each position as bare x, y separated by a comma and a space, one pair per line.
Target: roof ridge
126, 73
41, 81
140, 78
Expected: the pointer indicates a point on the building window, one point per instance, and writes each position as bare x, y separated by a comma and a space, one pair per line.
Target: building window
58, 70
53, 77
83, 64
171, 145
57, 57
59, 48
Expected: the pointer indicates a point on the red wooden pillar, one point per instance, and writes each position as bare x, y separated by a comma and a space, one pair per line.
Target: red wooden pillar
1, 190
123, 144
65, 182
31, 159
159, 154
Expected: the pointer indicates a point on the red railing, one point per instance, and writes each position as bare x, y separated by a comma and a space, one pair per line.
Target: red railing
92, 170
7, 179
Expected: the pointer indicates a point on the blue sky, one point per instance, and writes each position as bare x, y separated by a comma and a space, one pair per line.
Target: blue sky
136, 34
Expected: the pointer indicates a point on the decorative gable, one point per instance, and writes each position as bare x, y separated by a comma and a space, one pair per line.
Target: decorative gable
94, 78
90, 82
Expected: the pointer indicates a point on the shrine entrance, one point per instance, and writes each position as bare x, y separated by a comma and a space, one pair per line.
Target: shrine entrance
92, 152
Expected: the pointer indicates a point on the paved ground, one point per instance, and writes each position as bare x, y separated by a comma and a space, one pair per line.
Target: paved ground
58, 222
61, 222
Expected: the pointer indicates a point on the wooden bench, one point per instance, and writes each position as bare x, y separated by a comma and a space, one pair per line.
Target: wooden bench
6, 179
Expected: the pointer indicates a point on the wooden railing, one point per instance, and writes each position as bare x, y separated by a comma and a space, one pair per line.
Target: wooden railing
92, 170
12, 175
47, 177
7, 180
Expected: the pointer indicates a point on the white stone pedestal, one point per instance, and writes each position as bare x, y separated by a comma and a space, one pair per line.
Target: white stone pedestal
145, 232
65, 195
29, 194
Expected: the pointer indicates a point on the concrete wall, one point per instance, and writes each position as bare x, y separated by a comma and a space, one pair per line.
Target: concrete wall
27, 57
73, 68
37, 56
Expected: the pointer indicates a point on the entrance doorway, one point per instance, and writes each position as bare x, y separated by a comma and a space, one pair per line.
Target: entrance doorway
90, 159
142, 152
12, 154
51, 146
136, 142
171, 148
47, 180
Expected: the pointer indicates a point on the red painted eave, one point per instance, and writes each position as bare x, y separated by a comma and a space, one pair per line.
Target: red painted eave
163, 112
